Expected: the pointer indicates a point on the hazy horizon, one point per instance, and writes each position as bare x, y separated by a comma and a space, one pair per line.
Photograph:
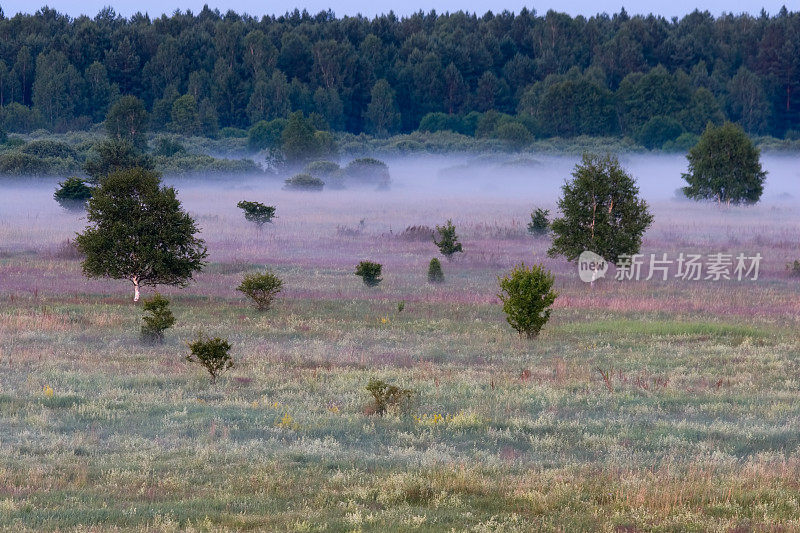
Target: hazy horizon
154, 9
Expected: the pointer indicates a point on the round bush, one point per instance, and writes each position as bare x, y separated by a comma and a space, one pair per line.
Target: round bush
304, 182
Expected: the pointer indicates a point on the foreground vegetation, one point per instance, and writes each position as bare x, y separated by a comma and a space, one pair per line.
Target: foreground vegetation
666, 406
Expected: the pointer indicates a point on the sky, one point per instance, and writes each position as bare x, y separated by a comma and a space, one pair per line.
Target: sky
372, 7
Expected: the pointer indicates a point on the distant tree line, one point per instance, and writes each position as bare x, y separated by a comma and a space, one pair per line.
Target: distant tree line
509, 75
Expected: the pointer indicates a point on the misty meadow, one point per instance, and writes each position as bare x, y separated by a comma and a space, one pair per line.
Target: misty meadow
499, 273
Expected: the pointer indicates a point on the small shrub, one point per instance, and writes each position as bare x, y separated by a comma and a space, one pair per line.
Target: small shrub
370, 272
256, 212
386, 396
539, 225
261, 288
73, 193
448, 240
211, 353
527, 295
368, 171
304, 182
794, 267
435, 274
159, 319
400, 306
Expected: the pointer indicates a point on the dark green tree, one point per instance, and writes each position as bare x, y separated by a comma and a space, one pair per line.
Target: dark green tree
113, 155
369, 272
539, 225
297, 139
256, 212
184, 115
601, 212
138, 231
435, 274
127, 121
658, 130
724, 166
382, 116
448, 240
100, 92
57, 90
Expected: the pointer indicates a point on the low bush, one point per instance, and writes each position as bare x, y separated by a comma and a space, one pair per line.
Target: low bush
386, 397
527, 295
367, 171
157, 319
304, 182
256, 212
369, 272
212, 354
73, 193
261, 288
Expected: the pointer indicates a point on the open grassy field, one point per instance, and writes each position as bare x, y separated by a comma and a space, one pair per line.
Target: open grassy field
643, 406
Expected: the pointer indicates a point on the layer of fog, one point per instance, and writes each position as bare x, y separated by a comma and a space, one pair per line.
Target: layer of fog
429, 180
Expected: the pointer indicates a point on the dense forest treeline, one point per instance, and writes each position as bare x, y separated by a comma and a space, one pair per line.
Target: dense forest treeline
503, 74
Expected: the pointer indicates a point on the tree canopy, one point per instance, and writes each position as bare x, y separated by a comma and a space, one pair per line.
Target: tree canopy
724, 166
138, 231
560, 75
601, 212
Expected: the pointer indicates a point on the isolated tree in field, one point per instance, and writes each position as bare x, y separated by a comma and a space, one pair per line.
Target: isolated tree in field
601, 212
211, 353
435, 274
72, 194
127, 121
157, 319
256, 212
138, 231
112, 156
448, 240
724, 166
539, 225
369, 272
261, 288
527, 295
